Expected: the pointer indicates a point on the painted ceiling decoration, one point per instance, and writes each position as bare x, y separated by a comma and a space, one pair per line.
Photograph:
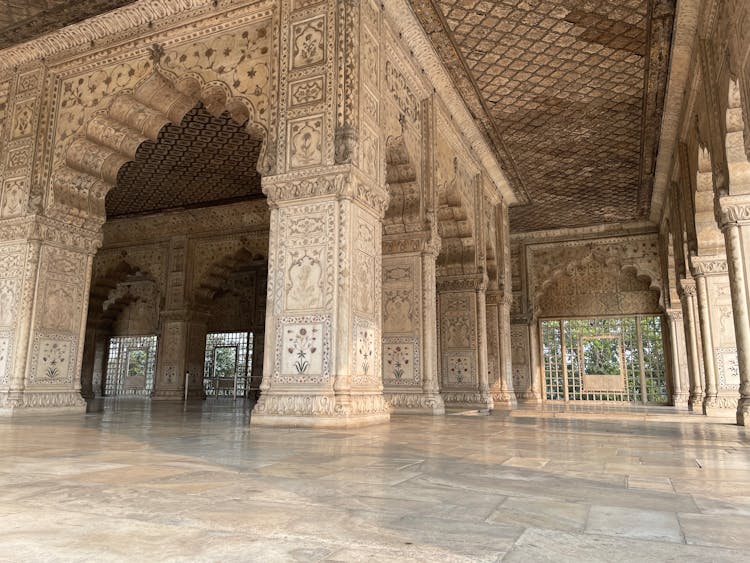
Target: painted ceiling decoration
568, 92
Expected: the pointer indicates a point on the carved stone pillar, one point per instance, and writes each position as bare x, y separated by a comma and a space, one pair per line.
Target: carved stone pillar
463, 341
410, 375
256, 373
735, 223
536, 391
690, 307
182, 350
322, 365
717, 332
678, 359
45, 271
499, 347
94, 360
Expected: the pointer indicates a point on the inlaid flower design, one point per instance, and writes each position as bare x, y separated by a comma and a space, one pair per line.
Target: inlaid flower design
302, 344
396, 360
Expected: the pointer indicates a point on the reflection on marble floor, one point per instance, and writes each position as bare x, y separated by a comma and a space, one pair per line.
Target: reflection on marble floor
141, 481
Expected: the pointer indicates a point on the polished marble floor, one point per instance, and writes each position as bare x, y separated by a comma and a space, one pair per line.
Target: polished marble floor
138, 481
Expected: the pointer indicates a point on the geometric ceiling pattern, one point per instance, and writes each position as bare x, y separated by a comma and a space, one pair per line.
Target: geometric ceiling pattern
563, 84
21, 20
204, 160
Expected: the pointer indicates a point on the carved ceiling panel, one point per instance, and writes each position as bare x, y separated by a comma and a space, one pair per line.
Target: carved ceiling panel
573, 90
205, 160
21, 20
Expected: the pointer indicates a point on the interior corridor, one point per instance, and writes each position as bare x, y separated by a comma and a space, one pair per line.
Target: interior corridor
148, 479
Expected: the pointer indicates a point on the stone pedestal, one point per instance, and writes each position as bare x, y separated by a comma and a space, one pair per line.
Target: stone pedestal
322, 365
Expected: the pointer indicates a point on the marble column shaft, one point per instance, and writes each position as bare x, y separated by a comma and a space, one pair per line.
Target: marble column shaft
735, 223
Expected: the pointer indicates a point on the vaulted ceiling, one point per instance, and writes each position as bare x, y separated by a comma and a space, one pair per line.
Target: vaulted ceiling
569, 93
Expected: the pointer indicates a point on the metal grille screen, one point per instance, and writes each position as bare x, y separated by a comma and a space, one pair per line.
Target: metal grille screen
229, 357
604, 359
130, 366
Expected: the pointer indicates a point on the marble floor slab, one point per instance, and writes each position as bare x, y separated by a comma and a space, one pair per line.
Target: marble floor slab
141, 481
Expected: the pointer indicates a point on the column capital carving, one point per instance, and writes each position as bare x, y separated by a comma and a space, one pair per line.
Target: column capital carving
342, 182
468, 282
674, 315
734, 210
708, 265
687, 287
414, 242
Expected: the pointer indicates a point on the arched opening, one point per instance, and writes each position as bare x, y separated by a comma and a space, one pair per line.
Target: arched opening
171, 170
601, 333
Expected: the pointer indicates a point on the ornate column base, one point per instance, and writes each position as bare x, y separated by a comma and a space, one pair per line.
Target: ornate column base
529, 397
720, 405
504, 400
681, 400
15, 403
743, 411
415, 403
695, 403
284, 410
467, 400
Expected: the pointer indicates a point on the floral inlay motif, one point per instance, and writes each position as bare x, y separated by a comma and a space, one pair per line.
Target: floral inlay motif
396, 360
302, 344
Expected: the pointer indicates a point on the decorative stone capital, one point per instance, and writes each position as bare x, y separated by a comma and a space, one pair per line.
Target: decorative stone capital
734, 210
708, 265
674, 315
341, 182
687, 287
420, 242
470, 282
